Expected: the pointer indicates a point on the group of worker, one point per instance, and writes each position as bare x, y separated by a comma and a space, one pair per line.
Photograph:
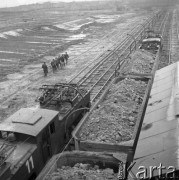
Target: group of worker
61, 61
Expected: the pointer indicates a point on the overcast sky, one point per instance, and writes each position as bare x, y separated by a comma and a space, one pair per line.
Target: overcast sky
9, 3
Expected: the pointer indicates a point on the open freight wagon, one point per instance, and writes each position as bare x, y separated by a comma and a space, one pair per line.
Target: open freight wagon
114, 122
127, 110
77, 165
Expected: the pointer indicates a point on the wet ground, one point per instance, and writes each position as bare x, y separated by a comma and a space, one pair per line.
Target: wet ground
25, 45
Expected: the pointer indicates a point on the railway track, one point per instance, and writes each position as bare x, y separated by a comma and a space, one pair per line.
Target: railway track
99, 58
165, 31
93, 57
174, 38
97, 78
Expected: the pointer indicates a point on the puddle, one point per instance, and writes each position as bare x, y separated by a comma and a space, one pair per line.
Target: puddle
14, 33
75, 25
76, 37
103, 16
48, 29
54, 12
15, 76
105, 20
19, 30
31, 42
11, 33
11, 52
43, 37
9, 60
3, 36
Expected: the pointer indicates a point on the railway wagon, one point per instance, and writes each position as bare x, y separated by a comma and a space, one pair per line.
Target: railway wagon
147, 77
152, 42
156, 155
83, 164
30, 137
119, 145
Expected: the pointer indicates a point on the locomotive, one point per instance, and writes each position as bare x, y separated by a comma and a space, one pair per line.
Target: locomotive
30, 137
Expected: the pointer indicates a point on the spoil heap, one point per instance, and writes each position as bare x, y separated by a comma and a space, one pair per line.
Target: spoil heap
140, 61
83, 171
114, 119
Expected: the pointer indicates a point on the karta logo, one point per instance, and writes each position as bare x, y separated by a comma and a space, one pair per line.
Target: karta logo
121, 171
162, 172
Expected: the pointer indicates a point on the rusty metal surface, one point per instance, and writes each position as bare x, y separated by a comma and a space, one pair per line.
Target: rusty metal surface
28, 121
158, 140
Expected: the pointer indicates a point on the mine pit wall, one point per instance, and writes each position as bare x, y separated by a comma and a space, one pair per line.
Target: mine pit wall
127, 147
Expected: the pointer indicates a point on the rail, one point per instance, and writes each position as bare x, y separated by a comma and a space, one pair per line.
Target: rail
174, 38
101, 74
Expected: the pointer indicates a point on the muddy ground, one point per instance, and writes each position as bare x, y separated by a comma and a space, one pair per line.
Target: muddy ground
36, 36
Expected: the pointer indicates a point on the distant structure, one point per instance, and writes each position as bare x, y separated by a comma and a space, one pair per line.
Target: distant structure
152, 3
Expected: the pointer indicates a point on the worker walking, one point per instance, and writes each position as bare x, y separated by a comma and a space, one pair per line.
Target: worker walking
66, 56
62, 61
58, 60
53, 65
56, 63
45, 69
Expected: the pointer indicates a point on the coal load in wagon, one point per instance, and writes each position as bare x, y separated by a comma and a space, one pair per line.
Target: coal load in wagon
139, 62
78, 165
115, 118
